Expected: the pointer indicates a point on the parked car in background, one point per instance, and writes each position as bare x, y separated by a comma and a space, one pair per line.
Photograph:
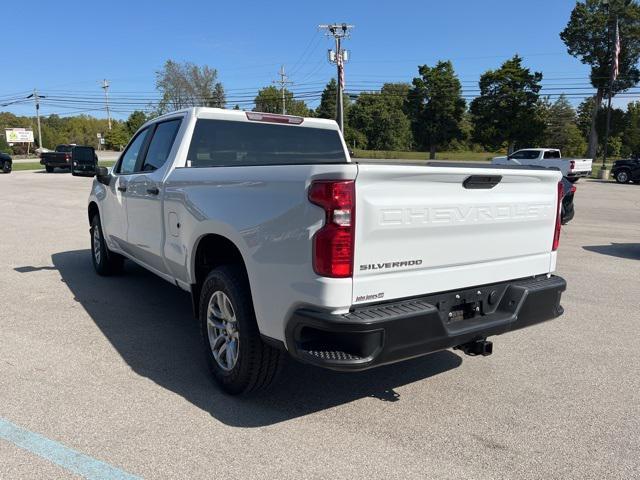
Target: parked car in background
6, 163
289, 246
625, 171
567, 212
60, 158
572, 168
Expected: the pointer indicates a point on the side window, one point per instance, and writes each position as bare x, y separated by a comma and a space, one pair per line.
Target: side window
525, 155
160, 145
132, 153
552, 154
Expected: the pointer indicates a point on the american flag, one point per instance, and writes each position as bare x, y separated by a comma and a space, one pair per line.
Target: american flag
616, 55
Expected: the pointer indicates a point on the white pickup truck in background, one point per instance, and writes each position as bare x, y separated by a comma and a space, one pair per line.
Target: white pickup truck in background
572, 168
288, 246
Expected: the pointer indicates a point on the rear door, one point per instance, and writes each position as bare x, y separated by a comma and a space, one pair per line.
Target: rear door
426, 229
145, 234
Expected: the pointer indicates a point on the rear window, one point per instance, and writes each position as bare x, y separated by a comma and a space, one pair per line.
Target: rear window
552, 154
64, 148
223, 143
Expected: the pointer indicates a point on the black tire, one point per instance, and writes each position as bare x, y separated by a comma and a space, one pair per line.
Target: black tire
573, 179
6, 167
104, 260
623, 176
257, 364
48, 169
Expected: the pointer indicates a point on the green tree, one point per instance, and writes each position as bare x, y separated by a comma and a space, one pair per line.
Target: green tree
269, 100
507, 109
117, 137
631, 134
135, 121
436, 107
561, 129
588, 36
188, 85
328, 100
380, 118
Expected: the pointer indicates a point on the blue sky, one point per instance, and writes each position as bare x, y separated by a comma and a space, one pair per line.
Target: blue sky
68, 47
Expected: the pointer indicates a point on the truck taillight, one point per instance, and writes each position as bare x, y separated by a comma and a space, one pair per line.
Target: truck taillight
556, 233
333, 243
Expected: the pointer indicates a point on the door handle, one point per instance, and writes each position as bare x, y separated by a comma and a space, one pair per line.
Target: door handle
153, 190
122, 189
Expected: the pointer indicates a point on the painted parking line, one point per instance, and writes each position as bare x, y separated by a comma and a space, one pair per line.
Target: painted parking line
57, 453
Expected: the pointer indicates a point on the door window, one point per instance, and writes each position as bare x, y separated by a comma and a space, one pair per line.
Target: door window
133, 153
160, 146
552, 154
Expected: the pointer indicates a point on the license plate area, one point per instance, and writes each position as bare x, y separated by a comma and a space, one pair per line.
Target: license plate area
464, 311
466, 305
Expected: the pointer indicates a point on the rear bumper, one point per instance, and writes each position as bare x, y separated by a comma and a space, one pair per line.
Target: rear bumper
374, 335
56, 163
579, 174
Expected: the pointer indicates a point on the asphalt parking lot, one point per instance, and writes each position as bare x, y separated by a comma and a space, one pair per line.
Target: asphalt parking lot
111, 368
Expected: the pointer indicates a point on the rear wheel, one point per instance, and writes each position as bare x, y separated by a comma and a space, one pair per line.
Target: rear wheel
623, 176
573, 179
6, 167
48, 169
104, 260
238, 358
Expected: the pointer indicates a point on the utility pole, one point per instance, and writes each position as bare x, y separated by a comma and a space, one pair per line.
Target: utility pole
36, 99
283, 82
339, 31
615, 52
105, 86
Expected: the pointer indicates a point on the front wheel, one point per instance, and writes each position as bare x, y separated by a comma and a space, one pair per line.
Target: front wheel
105, 262
622, 176
6, 167
238, 358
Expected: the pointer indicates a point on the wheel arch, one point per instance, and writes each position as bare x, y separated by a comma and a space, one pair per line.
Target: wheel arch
211, 251
92, 210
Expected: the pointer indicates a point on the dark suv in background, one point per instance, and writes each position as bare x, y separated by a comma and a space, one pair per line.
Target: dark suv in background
5, 163
625, 171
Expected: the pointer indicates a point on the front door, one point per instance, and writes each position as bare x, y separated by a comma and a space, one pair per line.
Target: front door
114, 204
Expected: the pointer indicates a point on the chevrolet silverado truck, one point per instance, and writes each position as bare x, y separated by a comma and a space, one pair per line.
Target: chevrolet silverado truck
288, 247
572, 168
60, 158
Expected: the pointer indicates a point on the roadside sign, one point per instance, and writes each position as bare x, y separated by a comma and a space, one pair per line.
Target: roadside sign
99, 135
19, 135
102, 141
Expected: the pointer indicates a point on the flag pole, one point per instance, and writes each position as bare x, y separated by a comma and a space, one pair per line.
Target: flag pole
612, 77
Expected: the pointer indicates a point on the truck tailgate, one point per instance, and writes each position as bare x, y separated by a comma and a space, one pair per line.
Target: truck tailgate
419, 230
580, 165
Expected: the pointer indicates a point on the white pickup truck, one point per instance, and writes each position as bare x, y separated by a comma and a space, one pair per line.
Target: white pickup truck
288, 246
572, 168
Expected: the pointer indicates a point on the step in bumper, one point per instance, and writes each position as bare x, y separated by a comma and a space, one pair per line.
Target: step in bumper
378, 334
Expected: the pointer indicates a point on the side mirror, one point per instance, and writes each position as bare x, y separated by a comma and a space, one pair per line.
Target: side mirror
103, 175
84, 162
